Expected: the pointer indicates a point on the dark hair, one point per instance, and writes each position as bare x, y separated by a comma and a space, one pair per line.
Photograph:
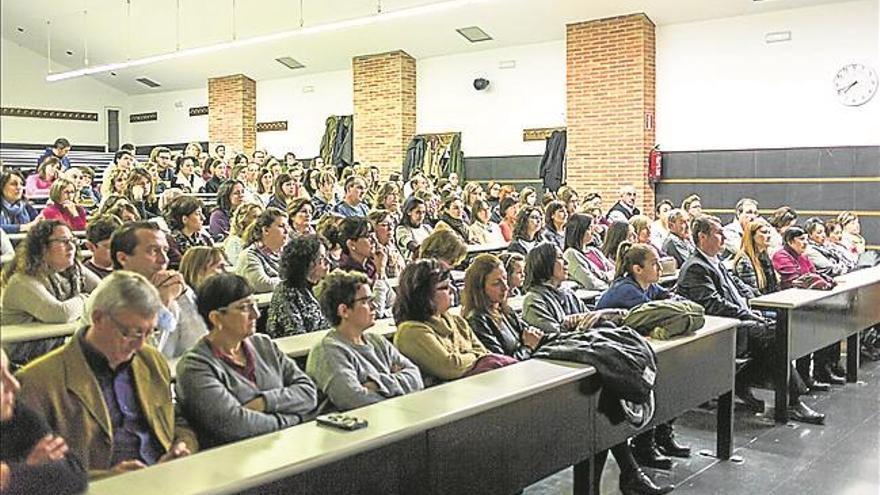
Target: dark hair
219, 291
812, 224
409, 205
61, 143
630, 254
474, 298
577, 225
415, 295
792, 233
349, 229
552, 207
5, 178
180, 207
300, 253
522, 222
703, 225
539, 264
478, 206
254, 231
183, 158
125, 240
278, 190
223, 193
296, 205
505, 204
102, 228
260, 187
617, 232
119, 154
127, 147
30, 254
661, 203
782, 216
339, 287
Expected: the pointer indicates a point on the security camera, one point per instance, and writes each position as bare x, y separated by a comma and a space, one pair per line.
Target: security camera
480, 84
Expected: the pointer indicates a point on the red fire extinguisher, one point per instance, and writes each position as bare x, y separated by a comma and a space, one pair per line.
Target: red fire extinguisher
655, 164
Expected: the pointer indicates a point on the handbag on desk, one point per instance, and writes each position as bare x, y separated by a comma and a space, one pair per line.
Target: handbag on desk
813, 281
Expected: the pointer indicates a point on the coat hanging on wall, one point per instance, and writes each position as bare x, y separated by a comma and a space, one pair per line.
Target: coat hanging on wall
552, 169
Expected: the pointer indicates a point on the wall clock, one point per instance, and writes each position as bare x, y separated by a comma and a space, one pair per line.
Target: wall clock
855, 84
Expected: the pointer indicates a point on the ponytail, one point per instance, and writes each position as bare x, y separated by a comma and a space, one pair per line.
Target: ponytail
628, 255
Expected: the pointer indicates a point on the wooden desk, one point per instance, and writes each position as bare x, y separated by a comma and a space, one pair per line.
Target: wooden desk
454, 435
36, 331
474, 249
808, 320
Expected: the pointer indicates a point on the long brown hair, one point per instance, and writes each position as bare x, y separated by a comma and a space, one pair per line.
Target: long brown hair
474, 298
750, 250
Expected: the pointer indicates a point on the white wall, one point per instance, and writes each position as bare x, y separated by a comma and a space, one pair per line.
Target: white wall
328, 93
720, 86
173, 124
23, 84
491, 121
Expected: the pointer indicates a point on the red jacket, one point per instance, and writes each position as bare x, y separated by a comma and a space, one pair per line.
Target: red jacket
790, 265
57, 212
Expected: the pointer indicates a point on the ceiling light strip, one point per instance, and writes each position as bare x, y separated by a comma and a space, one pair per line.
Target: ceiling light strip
320, 28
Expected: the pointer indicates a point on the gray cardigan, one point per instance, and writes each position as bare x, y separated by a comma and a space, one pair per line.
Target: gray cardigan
546, 307
340, 369
258, 269
212, 394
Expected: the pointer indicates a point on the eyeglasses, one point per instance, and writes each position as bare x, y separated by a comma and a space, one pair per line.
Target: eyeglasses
131, 333
67, 241
366, 299
536, 218
245, 307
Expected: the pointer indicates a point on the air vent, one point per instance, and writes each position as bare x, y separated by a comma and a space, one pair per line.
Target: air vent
290, 62
146, 81
474, 34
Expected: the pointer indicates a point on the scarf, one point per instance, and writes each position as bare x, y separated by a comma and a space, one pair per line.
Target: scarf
457, 224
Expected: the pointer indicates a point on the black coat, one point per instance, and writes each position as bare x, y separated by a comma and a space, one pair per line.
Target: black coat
501, 337
702, 283
552, 169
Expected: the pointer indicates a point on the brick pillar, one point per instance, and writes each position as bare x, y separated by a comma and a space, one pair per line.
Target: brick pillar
610, 106
232, 112
384, 109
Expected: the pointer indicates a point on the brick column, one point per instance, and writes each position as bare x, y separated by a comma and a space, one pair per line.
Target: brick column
384, 109
610, 105
232, 112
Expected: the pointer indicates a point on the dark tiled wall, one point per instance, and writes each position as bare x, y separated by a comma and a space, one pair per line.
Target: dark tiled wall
501, 168
836, 162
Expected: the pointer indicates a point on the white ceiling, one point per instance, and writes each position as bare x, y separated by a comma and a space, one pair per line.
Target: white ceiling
152, 28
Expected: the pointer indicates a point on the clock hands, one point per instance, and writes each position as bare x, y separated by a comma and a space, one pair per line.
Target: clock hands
846, 89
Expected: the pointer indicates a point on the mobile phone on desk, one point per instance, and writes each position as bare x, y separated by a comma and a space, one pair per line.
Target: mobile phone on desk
342, 421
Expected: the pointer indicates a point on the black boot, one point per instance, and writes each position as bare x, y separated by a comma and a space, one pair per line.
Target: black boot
798, 411
646, 453
827, 375
664, 436
744, 393
636, 482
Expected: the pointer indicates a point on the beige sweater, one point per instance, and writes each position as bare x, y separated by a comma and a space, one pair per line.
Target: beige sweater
444, 346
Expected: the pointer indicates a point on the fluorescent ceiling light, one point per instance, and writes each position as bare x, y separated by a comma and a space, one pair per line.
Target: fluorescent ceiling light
474, 34
290, 62
266, 38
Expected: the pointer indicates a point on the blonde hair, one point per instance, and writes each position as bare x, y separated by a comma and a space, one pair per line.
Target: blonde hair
749, 250
195, 262
58, 188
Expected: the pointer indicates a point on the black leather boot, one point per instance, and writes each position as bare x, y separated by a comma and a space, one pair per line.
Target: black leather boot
744, 393
646, 453
827, 374
638, 483
664, 436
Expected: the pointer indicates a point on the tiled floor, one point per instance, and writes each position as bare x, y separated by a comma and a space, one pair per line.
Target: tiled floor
840, 458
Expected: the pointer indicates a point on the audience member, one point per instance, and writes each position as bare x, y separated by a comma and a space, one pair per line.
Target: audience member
265, 186
123, 162
282, 192
412, 230
555, 217
617, 233
354, 368
660, 225
187, 178
625, 207
383, 225
353, 204
678, 243
325, 197
235, 383
264, 239
140, 192
834, 232
588, 265
852, 232
38, 183
94, 389
514, 265
482, 229
300, 212
294, 309
527, 230
693, 206
199, 263
59, 150
752, 264
781, 219
219, 175
244, 215
16, 212
746, 212
98, 233
186, 220
229, 197
452, 218
825, 259
508, 210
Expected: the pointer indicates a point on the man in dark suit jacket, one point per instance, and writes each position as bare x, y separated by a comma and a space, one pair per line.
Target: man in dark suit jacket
704, 280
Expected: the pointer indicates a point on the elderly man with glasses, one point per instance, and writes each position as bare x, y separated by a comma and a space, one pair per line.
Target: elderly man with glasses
625, 207
106, 392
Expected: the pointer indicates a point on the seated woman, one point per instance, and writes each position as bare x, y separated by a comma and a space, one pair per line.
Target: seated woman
526, 232
388, 199
199, 263
852, 232
63, 207
229, 197
515, 266
44, 283
452, 218
33, 459
508, 209
616, 234
38, 183
360, 253
555, 217
300, 212
187, 178
244, 215
441, 344
547, 304
834, 232
282, 189
635, 283
588, 266
294, 308
325, 197
660, 226
820, 253
140, 191
383, 224
412, 229
781, 219
235, 383
642, 226
265, 186
351, 367
445, 247
264, 239
752, 263
185, 218
16, 213
482, 229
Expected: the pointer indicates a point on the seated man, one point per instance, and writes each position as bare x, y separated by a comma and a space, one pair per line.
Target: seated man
93, 390
98, 234
141, 247
704, 280
353, 204
746, 211
678, 243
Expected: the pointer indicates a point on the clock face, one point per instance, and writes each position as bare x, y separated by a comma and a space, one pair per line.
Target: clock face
855, 84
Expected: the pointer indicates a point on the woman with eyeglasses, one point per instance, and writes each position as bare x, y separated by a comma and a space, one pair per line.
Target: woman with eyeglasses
16, 212
354, 368
442, 345
294, 309
236, 383
264, 239
44, 283
361, 253
383, 225
301, 212
526, 230
63, 207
